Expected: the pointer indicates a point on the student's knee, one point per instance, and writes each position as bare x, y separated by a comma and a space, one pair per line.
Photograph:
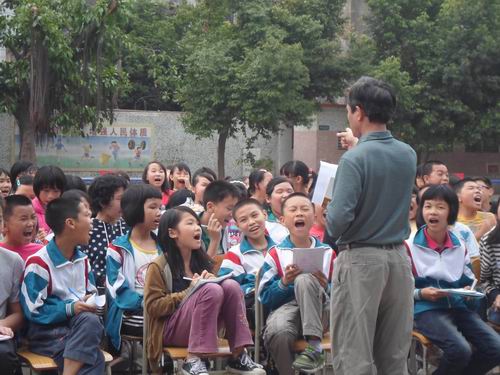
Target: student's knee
306, 281
211, 291
279, 337
231, 287
8, 358
459, 352
89, 322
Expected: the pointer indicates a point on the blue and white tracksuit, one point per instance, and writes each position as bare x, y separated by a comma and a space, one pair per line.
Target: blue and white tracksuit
120, 286
243, 261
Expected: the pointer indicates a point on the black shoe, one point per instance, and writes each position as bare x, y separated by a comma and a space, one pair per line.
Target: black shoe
194, 366
244, 365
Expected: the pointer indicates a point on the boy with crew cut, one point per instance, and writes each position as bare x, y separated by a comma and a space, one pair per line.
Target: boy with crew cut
298, 301
435, 172
470, 197
19, 226
245, 259
219, 199
57, 282
11, 316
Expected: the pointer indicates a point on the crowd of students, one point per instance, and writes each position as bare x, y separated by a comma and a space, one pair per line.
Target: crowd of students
152, 246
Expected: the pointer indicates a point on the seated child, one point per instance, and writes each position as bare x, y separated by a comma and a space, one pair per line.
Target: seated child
440, 260
181, 315
11, 316
298, 301
127, 260
490, 270
155, 174
57, 282
25, 187
470, 196
19, 226
105, 196
219, 199
245, 259
200, 181
180, 177
5, 183
277, 190
49, 183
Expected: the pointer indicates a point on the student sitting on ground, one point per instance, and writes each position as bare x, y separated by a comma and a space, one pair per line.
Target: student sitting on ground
298, 301
11, 316
245, 259
57, 282
219, 199
179, 314
19, 226
180, 177
277, 190
155, 174
127, 260
440, 260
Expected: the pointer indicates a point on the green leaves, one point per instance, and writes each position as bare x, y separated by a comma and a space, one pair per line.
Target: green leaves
443, 57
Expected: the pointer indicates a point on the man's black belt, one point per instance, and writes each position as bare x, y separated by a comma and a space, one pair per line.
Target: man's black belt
356, 245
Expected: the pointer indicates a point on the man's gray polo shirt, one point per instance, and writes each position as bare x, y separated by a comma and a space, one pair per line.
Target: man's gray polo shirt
372, 192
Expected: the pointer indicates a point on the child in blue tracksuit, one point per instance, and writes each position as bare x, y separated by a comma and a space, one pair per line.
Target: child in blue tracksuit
57, 282
440, 261
245, 259
127, 260
298, 301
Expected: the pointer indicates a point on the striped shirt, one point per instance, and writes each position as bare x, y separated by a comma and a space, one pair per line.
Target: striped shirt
490, 266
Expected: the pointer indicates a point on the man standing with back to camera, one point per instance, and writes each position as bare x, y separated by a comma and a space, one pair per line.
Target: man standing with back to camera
372, 295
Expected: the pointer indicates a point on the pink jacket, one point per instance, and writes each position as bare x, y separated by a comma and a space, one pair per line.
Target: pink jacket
40, 214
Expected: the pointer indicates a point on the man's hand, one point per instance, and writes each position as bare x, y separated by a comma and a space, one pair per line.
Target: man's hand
291, 272
6, 331
214, 229
433, 294
323, 281
81, 306
347, 139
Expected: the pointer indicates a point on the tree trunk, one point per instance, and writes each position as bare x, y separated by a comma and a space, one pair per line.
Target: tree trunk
27, 136
221, 151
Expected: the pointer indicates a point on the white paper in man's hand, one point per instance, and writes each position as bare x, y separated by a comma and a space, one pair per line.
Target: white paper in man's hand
324, 183
309, 260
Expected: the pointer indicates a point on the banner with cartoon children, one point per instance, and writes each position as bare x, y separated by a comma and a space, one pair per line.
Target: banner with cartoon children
120, 146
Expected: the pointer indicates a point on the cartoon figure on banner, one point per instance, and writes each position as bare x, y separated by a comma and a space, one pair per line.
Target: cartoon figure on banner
136, 150
59, 146
87, 148
115, 148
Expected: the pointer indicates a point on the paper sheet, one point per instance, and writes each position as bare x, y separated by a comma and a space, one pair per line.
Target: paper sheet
95, 300
465, 292
309, 260
5, 337
324, 184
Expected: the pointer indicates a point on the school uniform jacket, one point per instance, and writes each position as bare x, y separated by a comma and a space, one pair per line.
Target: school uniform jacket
120, 286
48, 278
272, 292
449, 268
243, 261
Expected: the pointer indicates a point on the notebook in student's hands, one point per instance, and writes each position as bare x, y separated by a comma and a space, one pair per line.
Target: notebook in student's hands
202, 282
